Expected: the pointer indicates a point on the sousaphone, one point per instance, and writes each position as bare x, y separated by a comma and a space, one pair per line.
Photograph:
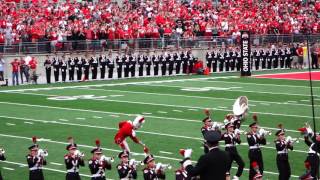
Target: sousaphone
241, 106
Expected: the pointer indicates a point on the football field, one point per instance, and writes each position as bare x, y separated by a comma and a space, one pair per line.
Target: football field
173, 109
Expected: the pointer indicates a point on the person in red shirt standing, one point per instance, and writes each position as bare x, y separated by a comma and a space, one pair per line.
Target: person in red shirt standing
128, 129
15, 71
33, 69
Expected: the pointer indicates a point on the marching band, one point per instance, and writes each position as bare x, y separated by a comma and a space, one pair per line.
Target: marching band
229, 131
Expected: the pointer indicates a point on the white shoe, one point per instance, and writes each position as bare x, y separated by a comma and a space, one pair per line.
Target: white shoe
235, 178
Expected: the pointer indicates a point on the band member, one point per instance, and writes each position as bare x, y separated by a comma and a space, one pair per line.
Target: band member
177, 60
264, 56
281, 56
182, 174
133, 63
215, 61
94, 67
221, 61
171, 63
185, 59
282, 146
255, 139
152, 170
63, 65
275, 59
126, 169
207, 126
231, 139
119, 62
47, 65
2, 158
71, 67
86, 67
79, 65
233, 60
98, 163
256, 55
36, 161
103, 63
288, 57
209, 59
269, 59
238, 62
56, 68
227, 58
191, 61
126, 61
147, 61
141, 64
73, 160
260, 57
110, 65
128, 129
313, 141
155, 61
163, 64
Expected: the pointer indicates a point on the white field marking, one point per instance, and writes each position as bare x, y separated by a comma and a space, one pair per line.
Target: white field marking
113, 113
265, 104
188, 96
26, 122
146, 113
107, 149
176, 110
80, 118
58, 164
97, 117
165, 152
193, 109
113, 84
292, 102
43, 139
49, 169
114, 95
162, 112
10, 124
258, 84
11, 169
144, 132
253, 105
305, 100
257, 92
222, 107
65, 120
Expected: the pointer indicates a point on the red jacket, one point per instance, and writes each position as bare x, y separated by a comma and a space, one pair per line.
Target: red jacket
125, 130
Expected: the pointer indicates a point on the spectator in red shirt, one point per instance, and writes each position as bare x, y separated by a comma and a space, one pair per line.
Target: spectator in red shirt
33, 68
15, 71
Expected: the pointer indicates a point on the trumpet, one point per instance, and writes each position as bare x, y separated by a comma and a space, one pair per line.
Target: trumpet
163, 167
107, 159
43, 152
78, 154
2, 151
263, 132
239, 132
217, 125
134, 162
290, 140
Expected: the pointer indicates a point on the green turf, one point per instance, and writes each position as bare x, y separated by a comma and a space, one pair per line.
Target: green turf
275, 101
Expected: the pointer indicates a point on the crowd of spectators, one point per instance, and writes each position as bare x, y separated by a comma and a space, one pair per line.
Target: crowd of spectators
55, 21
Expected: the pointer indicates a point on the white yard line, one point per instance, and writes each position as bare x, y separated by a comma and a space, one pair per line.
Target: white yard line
165, 152
28, 122
80, 118
64, 120
113, 113
189, 96
10, 124
109, 128
97, 117
107, 149
11, 169
58, 164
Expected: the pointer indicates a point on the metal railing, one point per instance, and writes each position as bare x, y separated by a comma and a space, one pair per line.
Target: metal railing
42, 47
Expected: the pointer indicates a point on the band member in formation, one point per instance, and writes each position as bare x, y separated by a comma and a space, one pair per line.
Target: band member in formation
64, 66
119, 62
86, 67
99, 163
231, 139
155, 61
73, 160
36, 160
152, 171
177, 60
185, 61
71, 67
127, 170
141, 64
79, 65
148, 63
94, 66
110, 65
128, 129
56, 68
163, 64
207, 126
47, 65
255, 138
2, 158
209, 59
126, 60
171, 63
182, 174
102, 66
283, 144
133, 63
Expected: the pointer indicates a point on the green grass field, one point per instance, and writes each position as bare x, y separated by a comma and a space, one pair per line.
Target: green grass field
173, 107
